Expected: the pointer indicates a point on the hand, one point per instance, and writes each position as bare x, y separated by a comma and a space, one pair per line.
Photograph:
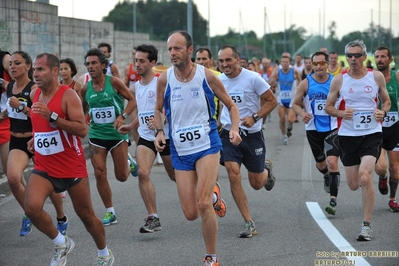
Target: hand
160, 142
125, 129
234, 137
119, 122
151, 123
14, 102
40, 108
307, 118
379, 115
248, 121
348, 114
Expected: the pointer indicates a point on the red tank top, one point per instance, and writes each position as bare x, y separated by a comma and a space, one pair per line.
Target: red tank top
133, 76
57, 152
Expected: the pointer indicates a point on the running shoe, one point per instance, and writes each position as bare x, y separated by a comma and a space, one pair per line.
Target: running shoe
208, 261
249, 229
62, 227
220, 205
327, 183
61, 252
151, 225
63, 194
285, 141
330, 209
365, 234
383, 185
26, 227
271, 179
109, 219
133, 165
393, 206
106, 260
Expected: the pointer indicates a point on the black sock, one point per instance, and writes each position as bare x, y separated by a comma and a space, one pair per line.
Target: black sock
63, 219
393, 186
334, 183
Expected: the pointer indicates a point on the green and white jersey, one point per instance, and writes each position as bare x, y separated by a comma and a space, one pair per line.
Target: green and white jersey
393, 91
105, 106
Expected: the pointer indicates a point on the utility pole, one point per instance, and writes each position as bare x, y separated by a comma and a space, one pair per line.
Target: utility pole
190, 18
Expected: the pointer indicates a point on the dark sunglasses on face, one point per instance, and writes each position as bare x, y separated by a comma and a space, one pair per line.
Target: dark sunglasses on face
321, 63
356, 55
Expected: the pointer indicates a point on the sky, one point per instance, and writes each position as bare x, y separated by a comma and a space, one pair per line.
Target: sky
247, 15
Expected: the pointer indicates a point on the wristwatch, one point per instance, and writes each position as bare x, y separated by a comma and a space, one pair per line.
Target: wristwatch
53, 117
256, 117
125, 115
21, 107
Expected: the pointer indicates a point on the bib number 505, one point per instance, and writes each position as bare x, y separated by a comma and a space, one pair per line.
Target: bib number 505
189, 136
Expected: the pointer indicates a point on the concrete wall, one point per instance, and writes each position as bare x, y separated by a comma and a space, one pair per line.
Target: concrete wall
36, 28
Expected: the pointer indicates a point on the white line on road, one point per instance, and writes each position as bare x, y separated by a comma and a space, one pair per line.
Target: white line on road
333, 234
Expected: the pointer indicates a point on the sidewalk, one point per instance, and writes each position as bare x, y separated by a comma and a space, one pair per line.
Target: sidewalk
5, 189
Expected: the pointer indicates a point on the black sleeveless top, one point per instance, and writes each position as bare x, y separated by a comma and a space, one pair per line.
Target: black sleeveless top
20, 123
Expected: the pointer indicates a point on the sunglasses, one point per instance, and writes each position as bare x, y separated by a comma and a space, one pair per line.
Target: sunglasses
356, 55
321, 63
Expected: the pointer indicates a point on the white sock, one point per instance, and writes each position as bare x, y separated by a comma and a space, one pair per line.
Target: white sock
103, 252
153, 215
214, 198
111, 209
59, 239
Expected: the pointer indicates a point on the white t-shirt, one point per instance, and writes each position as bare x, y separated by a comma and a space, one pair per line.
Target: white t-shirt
245, 91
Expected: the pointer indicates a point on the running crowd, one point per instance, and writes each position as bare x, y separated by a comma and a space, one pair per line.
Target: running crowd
349, 114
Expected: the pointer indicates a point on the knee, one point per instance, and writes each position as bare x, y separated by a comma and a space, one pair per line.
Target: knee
365, 179
256, 183
13, 180
235, 178
31, 210
144, 175
191, 215
203, 206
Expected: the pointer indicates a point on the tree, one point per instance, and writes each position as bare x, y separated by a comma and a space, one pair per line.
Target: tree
157, 18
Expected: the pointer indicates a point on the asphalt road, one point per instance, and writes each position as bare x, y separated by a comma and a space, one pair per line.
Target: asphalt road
293, 228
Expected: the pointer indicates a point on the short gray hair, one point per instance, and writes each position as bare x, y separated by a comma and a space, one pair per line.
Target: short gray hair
357, 43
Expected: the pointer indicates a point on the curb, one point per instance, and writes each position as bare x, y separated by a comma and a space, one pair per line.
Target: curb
5, 188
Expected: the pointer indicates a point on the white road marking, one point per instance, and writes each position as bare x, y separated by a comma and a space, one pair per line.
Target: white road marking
333, 234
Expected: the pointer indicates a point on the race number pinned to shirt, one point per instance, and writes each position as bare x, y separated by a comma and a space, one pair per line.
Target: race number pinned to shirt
390, 119
320, 107
364, 120
145, 116
103, 115
285, 95
189, 138
48, 143
238, 98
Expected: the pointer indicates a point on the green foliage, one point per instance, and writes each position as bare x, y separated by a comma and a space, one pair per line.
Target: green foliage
157, 18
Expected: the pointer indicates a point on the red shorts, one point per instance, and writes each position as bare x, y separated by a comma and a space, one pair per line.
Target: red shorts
5, 131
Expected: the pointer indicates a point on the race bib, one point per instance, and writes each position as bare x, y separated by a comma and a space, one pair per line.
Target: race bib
15, 112
319, 107
364, 120
48, 143
390, 119
285, 95
144, 117
103, 115
238, 98
188, 138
